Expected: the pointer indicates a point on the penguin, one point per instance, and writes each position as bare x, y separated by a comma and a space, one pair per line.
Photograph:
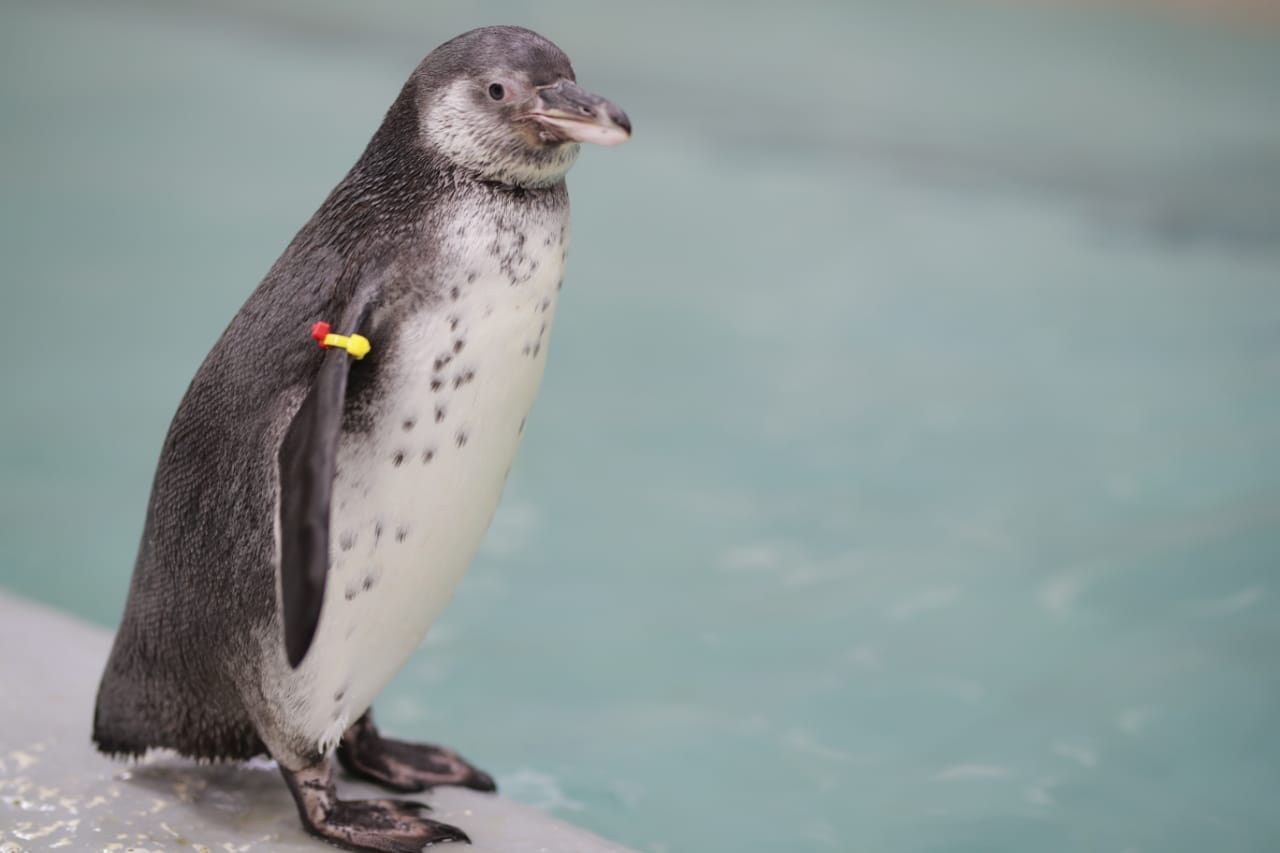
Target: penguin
314, 506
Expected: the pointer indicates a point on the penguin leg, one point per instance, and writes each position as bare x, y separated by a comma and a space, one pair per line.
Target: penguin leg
403, 766
390, 826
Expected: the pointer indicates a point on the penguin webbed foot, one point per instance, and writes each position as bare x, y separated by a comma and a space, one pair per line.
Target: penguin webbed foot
389, 826
385, 825
403, 766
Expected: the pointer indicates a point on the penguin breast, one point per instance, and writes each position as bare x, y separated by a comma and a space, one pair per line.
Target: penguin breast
415, 492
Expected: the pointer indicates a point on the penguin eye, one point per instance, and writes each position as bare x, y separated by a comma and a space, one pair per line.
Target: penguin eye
496, 91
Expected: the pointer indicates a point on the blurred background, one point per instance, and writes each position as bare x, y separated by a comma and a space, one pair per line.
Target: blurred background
907, 472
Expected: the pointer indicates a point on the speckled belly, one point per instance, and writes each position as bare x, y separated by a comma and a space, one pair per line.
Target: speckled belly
413, 497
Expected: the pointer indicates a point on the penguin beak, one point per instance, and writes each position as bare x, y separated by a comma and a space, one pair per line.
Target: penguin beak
564, 112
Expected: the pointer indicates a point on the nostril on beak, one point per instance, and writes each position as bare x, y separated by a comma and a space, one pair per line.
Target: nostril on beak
619, 118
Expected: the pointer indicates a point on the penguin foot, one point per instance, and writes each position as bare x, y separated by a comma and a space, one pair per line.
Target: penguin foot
403, 766
389, 826
386, 825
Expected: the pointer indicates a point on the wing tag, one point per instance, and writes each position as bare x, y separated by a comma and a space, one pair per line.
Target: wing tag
356, 345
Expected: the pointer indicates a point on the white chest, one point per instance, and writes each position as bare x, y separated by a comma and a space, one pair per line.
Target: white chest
413, 497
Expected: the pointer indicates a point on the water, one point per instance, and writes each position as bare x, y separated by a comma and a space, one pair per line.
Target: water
904, 477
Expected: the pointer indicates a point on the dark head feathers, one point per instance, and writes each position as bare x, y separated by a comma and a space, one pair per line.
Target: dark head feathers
495, 49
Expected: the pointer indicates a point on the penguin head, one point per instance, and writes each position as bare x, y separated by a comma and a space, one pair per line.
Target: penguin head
503, 104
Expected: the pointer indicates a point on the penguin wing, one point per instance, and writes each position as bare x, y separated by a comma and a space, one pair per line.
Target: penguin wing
308, 461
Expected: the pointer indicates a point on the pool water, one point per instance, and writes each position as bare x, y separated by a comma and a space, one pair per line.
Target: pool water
905, 476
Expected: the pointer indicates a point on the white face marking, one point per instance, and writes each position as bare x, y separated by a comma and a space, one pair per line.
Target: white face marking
413, 499
482, 142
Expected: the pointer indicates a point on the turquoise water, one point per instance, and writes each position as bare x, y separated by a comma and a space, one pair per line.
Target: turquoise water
905, 476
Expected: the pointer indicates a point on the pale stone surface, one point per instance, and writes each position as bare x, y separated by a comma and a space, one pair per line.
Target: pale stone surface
58, 793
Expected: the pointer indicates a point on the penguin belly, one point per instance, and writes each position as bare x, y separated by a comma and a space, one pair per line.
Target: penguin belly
414, 494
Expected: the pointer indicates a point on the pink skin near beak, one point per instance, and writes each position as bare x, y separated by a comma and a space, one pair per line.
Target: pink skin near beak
565, 112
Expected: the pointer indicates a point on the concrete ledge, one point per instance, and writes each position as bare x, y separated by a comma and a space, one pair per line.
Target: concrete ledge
58, 793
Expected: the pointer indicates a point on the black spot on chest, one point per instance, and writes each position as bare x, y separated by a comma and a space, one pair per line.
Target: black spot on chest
518, 230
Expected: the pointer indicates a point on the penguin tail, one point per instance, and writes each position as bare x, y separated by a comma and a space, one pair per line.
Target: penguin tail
122, 727
114, 743
151, 701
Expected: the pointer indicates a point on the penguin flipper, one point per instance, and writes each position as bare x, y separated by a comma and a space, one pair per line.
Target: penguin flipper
308, 462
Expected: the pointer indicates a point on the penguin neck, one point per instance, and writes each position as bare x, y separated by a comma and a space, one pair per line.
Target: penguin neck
396, 181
